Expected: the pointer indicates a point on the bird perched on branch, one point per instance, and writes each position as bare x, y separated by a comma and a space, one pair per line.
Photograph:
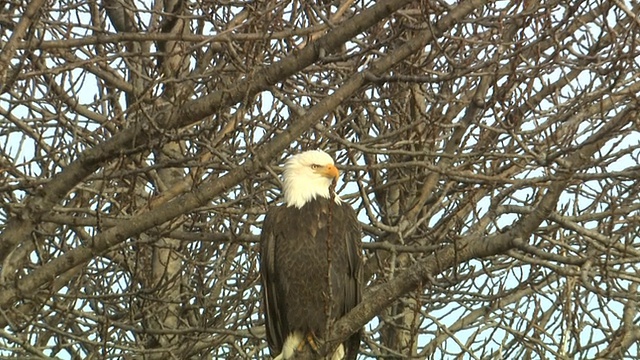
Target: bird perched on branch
310, 260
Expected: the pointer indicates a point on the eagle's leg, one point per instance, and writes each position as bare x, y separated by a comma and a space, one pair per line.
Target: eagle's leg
311, 340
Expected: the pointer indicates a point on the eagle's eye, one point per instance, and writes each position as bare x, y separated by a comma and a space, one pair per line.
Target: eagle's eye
315, 166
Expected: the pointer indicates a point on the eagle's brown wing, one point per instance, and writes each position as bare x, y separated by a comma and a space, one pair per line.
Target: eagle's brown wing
354, 284
273, 318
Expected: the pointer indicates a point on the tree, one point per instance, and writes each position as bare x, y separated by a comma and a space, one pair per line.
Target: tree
490, 148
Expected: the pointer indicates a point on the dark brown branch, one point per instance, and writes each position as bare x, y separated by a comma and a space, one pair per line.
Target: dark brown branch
9, 48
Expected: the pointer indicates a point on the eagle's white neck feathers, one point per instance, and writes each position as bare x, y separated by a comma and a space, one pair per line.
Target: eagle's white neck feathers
308, 175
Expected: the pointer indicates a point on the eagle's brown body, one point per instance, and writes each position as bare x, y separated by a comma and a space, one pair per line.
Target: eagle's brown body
295, 264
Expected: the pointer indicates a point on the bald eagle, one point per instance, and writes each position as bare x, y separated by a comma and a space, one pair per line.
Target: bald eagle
309, 242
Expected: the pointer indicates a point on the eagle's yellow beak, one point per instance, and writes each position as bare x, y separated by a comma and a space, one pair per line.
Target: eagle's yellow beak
330, 171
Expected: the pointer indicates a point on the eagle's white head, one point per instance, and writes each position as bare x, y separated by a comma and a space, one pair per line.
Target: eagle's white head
308, 175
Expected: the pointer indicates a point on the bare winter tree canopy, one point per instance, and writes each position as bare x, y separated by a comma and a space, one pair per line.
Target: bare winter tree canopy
490, 148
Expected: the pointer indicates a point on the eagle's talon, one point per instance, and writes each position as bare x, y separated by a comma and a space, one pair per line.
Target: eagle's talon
311, 339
